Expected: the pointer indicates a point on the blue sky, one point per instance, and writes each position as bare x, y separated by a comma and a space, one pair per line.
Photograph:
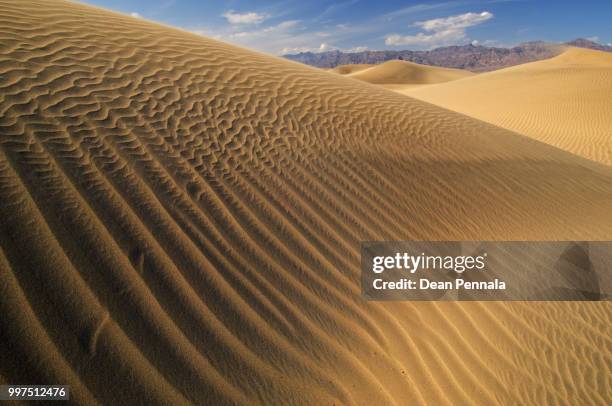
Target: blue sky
290, 26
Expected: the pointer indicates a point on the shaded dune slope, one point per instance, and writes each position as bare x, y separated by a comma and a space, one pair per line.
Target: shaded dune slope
564, 101
407, 73
180, 222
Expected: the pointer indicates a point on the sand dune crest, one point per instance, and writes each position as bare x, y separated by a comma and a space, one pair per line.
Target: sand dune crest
351, 68
407, 73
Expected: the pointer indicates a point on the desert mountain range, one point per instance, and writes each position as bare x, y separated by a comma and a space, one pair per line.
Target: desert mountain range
475, 58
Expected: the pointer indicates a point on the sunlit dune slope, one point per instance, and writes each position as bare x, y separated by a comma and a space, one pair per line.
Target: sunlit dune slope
180, 223
352, 68
565, 101
407, 73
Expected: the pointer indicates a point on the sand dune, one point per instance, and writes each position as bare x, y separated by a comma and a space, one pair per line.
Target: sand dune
180, 222
352, 68
565, 101
403, 73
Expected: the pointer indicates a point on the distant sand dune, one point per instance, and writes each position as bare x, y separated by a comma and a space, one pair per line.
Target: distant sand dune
407, 73
352, 68
565, 101
180, 222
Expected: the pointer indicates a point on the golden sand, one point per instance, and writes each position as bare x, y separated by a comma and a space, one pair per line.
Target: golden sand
352, 68
402, 73
180, 222
565, 101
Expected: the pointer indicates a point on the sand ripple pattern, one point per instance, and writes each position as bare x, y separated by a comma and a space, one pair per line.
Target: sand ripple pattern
180, 223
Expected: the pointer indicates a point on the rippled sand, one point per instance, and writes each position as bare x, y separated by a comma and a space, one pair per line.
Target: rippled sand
180, 222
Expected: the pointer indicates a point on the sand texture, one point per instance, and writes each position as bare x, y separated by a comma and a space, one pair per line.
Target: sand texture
180, 223
565, 101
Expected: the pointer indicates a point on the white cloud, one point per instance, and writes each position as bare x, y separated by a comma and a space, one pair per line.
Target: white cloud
334, 9
274, 39
440, 31
279, 29
418, 8
135, 15
244, 18
324, 47
486, 42
460, 21
594, 38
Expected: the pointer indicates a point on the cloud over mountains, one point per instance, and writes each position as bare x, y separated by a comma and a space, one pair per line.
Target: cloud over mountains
440, 31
